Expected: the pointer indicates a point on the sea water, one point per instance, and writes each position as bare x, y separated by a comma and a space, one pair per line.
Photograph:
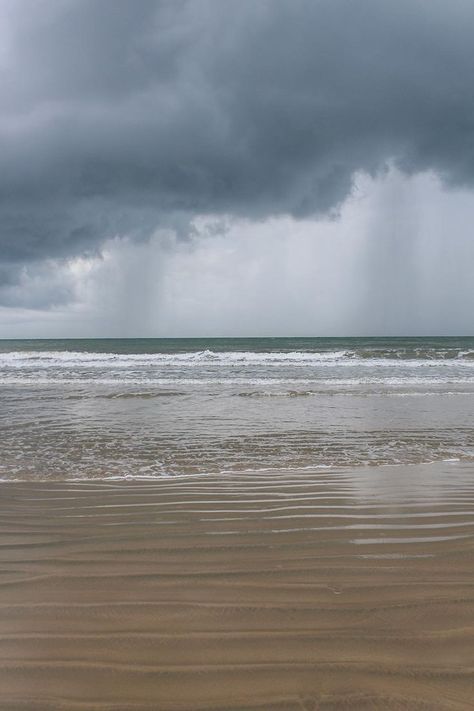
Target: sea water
125, 408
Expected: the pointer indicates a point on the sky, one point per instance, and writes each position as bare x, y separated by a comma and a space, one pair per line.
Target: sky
260, 167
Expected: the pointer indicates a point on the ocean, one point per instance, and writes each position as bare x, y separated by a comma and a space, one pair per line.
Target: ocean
154, 408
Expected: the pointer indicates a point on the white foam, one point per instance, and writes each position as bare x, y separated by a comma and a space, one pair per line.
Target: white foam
328, 359
67, 359
149, 380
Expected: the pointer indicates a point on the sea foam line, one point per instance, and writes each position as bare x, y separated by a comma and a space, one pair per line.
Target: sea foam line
68, 359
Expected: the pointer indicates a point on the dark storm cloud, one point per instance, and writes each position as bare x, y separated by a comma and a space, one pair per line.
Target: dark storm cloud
119, 116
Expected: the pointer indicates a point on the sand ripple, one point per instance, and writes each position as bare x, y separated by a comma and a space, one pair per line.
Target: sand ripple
333, 590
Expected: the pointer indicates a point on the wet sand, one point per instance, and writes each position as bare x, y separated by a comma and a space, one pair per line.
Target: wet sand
332, 590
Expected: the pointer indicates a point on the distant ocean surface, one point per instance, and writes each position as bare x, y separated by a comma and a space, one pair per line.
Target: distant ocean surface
79, 409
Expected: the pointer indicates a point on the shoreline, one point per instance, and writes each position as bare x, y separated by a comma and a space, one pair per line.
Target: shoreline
345, 588
267, 473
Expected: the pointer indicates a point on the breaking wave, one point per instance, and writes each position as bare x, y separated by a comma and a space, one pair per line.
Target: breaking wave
351, 358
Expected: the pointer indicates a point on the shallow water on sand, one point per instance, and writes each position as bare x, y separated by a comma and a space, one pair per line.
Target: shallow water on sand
335, 589
134, 408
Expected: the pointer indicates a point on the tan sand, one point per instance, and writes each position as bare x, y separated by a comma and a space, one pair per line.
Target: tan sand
331, 591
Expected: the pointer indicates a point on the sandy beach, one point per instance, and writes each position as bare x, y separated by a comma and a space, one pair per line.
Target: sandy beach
332, 590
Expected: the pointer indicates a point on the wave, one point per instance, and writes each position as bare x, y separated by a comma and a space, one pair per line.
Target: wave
91, 359
392, 357
150, 381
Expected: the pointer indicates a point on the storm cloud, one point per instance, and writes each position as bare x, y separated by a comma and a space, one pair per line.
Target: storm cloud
117, 117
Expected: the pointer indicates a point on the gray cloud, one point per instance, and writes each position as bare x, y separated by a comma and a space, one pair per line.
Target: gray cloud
117, 117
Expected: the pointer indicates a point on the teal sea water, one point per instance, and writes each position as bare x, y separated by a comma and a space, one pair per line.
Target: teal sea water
79, 409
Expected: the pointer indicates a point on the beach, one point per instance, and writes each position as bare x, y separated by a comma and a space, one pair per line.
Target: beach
332, 589
237, 524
